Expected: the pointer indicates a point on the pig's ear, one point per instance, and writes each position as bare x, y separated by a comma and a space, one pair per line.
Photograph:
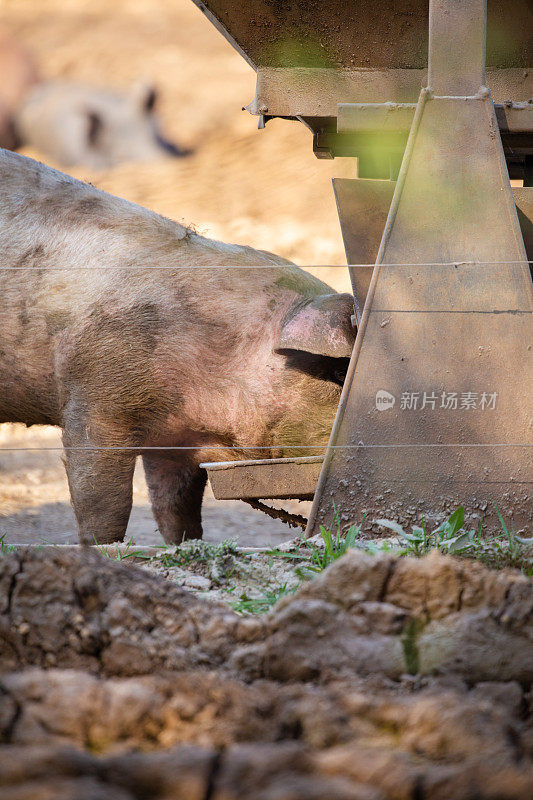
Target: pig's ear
322, 326
144, 96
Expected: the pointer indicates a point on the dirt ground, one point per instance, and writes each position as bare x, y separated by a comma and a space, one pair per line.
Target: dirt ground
35, 505
262, 188
381, 679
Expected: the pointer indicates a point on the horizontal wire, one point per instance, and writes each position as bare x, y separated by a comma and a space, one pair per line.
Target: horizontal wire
449, 311
456, 481
257, 447
271, 266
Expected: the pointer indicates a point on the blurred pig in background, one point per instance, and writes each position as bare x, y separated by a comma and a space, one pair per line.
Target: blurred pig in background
76, 124
19, 75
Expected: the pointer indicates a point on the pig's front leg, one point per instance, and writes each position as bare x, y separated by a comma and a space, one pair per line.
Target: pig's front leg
176, 490
101, 487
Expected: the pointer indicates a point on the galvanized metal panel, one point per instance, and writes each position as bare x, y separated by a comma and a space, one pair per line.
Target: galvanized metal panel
374, 117
457, 48
377, 34
379, 117
363, 206
523, 197
308, 93
441, 329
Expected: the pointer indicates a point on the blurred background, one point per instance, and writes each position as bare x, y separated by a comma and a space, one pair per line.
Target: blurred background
261, 188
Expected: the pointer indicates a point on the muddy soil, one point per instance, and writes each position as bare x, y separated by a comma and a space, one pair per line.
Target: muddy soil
382, 678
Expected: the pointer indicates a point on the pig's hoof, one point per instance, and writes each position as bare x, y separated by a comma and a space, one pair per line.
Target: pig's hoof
183, 535
100, 538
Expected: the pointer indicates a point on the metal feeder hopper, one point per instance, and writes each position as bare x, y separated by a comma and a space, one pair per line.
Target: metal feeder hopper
435, 100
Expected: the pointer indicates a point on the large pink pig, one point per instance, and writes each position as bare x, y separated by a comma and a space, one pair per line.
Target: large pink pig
130, 331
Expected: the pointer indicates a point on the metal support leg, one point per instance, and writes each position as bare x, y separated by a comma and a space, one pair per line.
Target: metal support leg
437, 405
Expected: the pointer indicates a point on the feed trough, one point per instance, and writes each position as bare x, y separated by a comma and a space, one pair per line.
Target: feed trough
281, 478
434, 101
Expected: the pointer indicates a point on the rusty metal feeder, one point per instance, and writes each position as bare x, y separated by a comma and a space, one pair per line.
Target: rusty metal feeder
435, 101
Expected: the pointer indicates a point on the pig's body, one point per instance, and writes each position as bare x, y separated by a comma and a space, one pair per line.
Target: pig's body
123, 356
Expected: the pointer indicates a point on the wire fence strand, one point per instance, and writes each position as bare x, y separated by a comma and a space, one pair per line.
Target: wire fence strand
95, 448
268, 266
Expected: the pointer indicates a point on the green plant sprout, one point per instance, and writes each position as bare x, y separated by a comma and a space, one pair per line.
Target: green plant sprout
505, 549
128, 552
4, 546
263, 603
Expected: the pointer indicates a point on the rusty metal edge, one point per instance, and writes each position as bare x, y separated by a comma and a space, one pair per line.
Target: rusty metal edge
222, 465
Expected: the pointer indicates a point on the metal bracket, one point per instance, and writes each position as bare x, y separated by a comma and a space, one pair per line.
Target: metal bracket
377, 134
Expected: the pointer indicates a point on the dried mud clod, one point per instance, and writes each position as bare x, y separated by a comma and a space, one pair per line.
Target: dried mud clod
381, 678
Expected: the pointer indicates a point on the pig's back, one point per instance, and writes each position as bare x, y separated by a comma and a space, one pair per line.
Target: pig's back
89, 242
47, 215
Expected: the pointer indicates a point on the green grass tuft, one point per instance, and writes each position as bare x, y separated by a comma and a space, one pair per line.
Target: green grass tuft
504, 549
335, 546
128, 552
263, 603
6, 548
